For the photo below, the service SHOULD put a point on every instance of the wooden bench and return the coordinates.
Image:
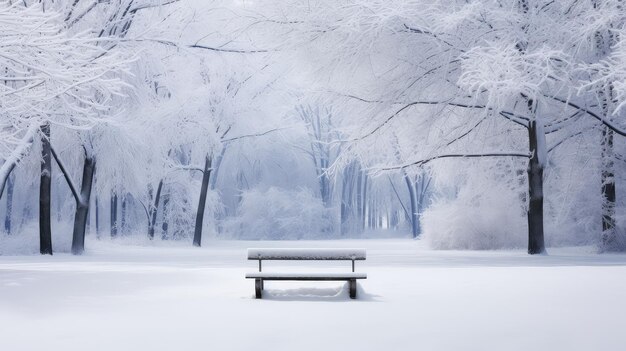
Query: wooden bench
(305, 255)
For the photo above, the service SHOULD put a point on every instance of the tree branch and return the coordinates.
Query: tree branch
(148, 6)
(188, 168)
(520, 120)
(196, 46)
(17, 155)
(253, 135)
(466, 133)
(68, 179)
(557, 125)
(565, 139)
(486, 154)
(406, 212)
(237, 51)
(607, 123)
(145, 209)
(429, 33)
(509, 115)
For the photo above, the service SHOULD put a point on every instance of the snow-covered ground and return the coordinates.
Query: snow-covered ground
(119, 297)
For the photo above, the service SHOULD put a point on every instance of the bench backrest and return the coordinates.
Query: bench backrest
(307, 254)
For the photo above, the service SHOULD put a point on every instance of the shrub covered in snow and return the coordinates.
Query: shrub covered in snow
(279, 214)
(487, 220)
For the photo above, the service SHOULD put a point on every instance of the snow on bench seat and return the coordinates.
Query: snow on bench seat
(306, 276)
(306, 254)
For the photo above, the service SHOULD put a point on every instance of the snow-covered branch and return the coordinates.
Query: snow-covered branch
(460, 155)
(245, 136)
(16, 155)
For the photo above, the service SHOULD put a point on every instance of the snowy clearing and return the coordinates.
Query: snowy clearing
(162, 298)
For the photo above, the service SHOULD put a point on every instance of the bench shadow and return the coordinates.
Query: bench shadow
(338, 294)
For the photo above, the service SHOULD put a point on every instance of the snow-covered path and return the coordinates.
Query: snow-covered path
(162, 298)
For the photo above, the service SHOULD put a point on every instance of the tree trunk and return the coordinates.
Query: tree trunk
(206, 177)
(421, 192)
(45, 187)
(9, 212)
(535, 189)
(26, 210)
(363, 209)
(165, 224)
(372, 213)
(154, 210)
(351, 199)
(604, 41)
(393, 220)
(346, 201)
(325, 189)
(113, 215)
(359, 201)
(419, 207)
(82, 206)
(123, 212)
(97, 208)
(414, 211)
(609, 234)
(216, 167)
(388, 220)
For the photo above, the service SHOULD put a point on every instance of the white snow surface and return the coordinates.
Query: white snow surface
(118, 297)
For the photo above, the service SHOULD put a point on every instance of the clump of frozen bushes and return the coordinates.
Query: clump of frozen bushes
(279, 214)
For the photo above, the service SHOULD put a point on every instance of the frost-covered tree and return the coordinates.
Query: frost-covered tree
(319, 124)
(51, 77)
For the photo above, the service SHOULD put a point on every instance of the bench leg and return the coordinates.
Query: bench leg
(258, 288)
(353, 288)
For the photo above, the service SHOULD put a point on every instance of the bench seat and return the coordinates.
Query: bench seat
(306, 254)
(306, 276)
